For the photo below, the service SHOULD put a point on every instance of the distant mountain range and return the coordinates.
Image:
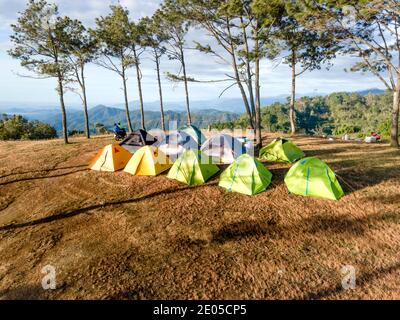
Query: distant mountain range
(370, 91)
(234, 105)
(108, 116)
(204, 112)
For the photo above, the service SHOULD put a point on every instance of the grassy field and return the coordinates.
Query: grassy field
(116, 236)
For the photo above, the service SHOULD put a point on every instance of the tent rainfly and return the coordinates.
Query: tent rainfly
(245, 175)
(312, 177)
(148, 161)
(192, 168)
(112, 157)
(281, 150)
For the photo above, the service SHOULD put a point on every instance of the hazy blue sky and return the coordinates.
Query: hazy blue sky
(104, 87)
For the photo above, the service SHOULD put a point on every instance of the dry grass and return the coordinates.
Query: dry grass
(112, 235)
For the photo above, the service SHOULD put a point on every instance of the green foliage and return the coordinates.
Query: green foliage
(74, 132)
(17, 128)
(79, 42)
(153, 34)
(336, 114)
(37, 40)
(175, 26)
(275, 117)
(307, 47)
(100, 128)
(113, 36)
(113, 31)
(367, 29)
(80, 47)
(308, 33)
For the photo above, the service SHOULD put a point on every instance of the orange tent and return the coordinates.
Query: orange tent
(112, 157)
(148, 161)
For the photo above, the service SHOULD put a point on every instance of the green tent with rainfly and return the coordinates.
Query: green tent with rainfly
(281, 150)
(193, 167)
(195, 133)
(245, 175)
(312, 177)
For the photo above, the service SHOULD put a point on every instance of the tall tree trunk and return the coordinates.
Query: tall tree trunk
(62, 105)
(238, 81)
(258, 98)
(85, 107)
(128, 117)
(293, 95)
(394, 133)
(189, 117)
(139, 82)
(160, 92)
(243, 93)
(258, 107)
(248, 67)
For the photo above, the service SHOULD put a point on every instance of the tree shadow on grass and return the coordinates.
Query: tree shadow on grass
(314, 142)
(75, 212)
(245, 229)
(329, 224)
(42, 170)
(318, 224)
(323, 152)
(335, 225)
(41, 177)
(23, 293)
(391, 199)
(7, 204)
(357, 179)
(138, 293)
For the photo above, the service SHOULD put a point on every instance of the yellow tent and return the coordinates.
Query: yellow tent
(148, 161)
(112, 157)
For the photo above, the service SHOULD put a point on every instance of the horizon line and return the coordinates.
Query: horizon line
(113, 104)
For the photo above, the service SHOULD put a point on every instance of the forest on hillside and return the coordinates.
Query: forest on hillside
(334, 114)
(17, 127)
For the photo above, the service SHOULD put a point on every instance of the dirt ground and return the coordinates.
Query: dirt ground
(116, 236)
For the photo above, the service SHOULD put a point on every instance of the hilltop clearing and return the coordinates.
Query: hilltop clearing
(116, 236)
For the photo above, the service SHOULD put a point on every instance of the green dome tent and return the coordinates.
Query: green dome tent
(245, 175)
(193, 167)
(195, 132)
(312, 177)
(281, 150)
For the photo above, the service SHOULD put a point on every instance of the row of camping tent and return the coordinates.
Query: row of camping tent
(247, 175)
(223, 147)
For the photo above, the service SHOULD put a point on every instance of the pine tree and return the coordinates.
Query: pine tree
(113, 35)
(38, 43)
